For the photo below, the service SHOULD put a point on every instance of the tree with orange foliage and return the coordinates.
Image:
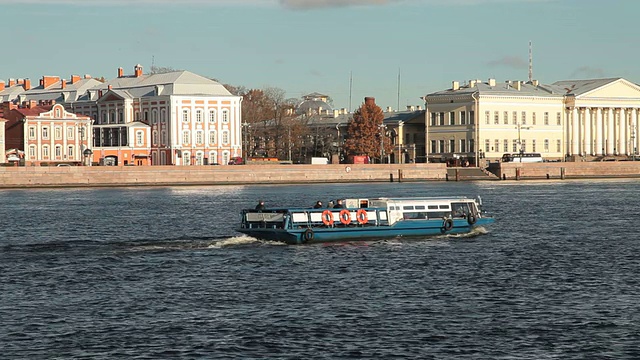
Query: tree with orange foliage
(365, 131)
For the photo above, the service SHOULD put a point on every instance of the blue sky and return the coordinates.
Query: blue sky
(304, 46)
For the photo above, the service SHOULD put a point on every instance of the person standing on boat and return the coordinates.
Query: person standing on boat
(260, 205)
(318, 205)
(339, 204)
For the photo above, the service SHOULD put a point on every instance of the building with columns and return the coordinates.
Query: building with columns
(567, 120)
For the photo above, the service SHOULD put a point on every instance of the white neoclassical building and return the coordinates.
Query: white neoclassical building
(566, 120)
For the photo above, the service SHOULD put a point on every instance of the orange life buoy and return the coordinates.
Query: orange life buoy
(345, 216)
(327, 217)
(362, 217)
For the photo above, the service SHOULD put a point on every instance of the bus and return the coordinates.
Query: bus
(522, 157)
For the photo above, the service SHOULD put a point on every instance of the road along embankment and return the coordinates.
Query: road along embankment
(567, 170)
(77, 176)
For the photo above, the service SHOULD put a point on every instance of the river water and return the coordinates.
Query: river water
(159, 273)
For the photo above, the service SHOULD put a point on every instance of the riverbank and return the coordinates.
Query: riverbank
(96, 176)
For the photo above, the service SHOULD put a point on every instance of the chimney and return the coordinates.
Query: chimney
(371, 101)
(1, 85)
(492, 82)
(75, 78)
(41, 82)
(419, 107)
(120, 72)
(138, 70)
(49, 80)
(12, 82)
(109, 87)
(535, 82)
(336, 112)
(472, 83)
(87, 76)
(517, 85)
(63, 84)
(32, 103)
(27, 84)
(389, 109)
(455, 85)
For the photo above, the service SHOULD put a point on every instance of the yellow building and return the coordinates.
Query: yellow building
(567, 120)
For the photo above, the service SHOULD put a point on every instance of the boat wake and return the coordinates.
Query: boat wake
(240, 241)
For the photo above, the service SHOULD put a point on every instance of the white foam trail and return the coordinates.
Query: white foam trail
(241, 240)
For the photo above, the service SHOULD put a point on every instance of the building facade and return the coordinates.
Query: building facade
(46, 133)
(568, 120)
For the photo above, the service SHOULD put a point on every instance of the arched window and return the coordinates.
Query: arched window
(186, 158)
(164, 137)
(225, 137)
(139, 138)
(199, 116)
(199, 158)
(163, 158)
(185, 115)
(163, 116)
(45, 152)
(32, 152)
(154, 117)
(70, 132)
(212, 116)
(225, 116)
(155, 137)
(212, 137)
(70, 152)
(213, 157)
(58, 152)
(199, 137)
(225, 157)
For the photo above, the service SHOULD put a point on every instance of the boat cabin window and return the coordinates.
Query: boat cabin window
(446, 207)
(419, 207)
(460, 209)
(407, 207)
(364, 204)
(433, 207)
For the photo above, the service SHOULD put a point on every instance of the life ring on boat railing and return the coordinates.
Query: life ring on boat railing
(471, 219)
(345, 216)
(327, 217)
(362, 216)
(307, 235)
(447, 224)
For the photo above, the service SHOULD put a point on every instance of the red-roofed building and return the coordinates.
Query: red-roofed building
(46, 132)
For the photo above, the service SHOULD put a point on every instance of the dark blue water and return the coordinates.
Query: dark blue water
(159, 273)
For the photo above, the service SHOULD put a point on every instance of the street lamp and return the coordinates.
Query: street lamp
(245, 146)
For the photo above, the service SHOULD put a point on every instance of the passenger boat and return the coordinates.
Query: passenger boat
(364, 219)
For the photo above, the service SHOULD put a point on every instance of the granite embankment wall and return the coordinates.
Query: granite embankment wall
(74, 176)
(568, 170)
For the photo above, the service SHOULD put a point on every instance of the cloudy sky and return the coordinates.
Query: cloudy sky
(393, 50)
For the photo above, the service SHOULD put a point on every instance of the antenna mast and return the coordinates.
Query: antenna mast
(350, 86)
(530, 63)
(398, 108)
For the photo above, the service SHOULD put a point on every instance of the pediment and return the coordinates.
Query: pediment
(619, 89)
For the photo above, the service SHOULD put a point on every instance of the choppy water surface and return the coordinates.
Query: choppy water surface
(159, 273)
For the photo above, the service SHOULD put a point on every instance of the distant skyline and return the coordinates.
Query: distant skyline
(305, 46)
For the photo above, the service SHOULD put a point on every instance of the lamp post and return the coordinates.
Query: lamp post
(633, 143)
(338, 141)
(520, 127)
(245, 146)
(382, 129)
(87, 156)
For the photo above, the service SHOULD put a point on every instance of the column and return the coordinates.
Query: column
(634, 128)
(587, 132)
(575, 146)
(610, 131)
(598, 142)
(622, 140)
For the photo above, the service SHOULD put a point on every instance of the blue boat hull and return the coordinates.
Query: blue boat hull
(330, 234)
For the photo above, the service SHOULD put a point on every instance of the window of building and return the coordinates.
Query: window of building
(505, 115)
(105, 119)
(58, 114)
(45, 152)
(58, 152)
(186, 157)
(452, 118)
(137, 116)
(505, 144)
(546, 118)
(155, 137)
(496, 145)
(558, 145)
(185, 115)
(487, 145)
(163, 116)
(32, 152)
(139, 138)
(463, 118)
(213, 157)
(186, 134)
(515, 145)
(496, 117)
(524, 118)
(486, 117)
(70, 151)
(199, 158)
(32, 132)
(212, 137)
(164, 138)
(154, 117)
(225, 157)
(45, 133)
(70, 132)
(434, 147)
(441, 118)
(58, 132)
(199, 137)
(523, 145)
(515, 118)
(441, 146)
(472, 115)
(533, 118)
(112, 117)
(198, 116)
(546, 145)
(558, 119)
(452, 145)
(225, 137)
(120, 117)
(472, 145)
(463, 145)
(533, 145)
(434, 119)
(212, 116)
(225, 116)
(146, 116)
